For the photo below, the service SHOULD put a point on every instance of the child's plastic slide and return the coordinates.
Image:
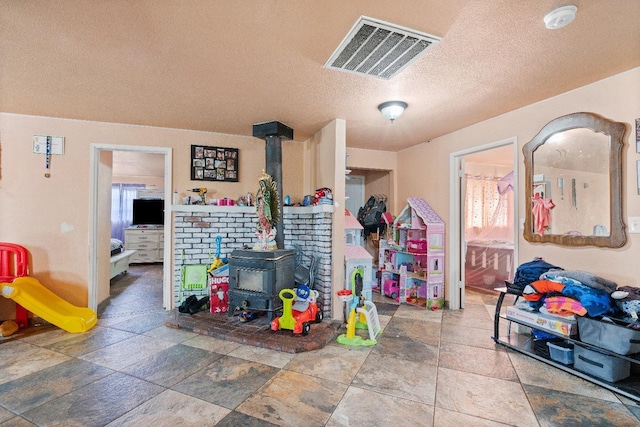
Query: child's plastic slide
(29, 293)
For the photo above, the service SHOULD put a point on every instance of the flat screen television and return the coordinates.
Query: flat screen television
(148, 212)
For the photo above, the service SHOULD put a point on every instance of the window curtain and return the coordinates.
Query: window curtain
(489, 208)
(488, 230)
(122, 196)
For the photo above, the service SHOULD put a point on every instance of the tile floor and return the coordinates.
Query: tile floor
(428, 369)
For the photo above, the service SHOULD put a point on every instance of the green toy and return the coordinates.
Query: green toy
(362, 314)
(298, 321)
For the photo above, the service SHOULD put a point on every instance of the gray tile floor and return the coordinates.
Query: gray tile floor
(429, 368)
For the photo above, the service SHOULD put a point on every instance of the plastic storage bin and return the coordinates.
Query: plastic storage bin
(600, 365)
(614, 335)
(561, 352)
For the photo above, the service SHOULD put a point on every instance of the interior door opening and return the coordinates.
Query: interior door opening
(362, 184)
(101, 169)
(484, 219)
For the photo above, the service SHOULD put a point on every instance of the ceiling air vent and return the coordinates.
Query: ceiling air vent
(379, 49)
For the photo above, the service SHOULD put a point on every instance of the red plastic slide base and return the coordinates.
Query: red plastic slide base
(22, 317)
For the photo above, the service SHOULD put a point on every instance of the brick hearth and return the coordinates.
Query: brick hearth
(256, 332)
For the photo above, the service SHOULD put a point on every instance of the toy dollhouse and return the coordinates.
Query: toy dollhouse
(355, 256)
(411, 262)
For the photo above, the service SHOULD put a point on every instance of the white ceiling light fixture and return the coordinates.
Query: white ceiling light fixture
(391, 110)
(560, 17)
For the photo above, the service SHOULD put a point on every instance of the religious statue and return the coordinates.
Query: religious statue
(268, 212)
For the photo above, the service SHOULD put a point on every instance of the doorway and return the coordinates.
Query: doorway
(99, 222)
(364, 183)
(354, 192)
(487, 259)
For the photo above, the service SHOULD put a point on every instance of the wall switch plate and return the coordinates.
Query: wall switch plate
(634, 224)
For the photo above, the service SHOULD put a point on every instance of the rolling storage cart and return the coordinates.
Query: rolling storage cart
(600, 362)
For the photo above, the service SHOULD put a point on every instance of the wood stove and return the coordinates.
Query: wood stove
(257, 277)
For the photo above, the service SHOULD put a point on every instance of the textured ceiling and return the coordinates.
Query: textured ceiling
(222, 66)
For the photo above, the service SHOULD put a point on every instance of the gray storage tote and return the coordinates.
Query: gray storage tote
(610, 336)
(600, 365)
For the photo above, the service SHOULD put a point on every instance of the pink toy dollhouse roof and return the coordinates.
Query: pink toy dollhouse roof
(356, 252)
(424, 211)
(387, 218)
(351, 221)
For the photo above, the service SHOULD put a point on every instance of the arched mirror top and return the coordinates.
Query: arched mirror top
(573, 182)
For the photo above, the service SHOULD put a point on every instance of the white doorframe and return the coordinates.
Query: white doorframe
(456, 285)
(94, 171)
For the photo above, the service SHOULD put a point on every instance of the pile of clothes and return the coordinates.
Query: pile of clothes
(550, 289)
(566, 293)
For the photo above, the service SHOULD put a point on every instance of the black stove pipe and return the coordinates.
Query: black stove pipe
(274, 133)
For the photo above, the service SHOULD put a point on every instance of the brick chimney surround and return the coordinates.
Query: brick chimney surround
(196, 227)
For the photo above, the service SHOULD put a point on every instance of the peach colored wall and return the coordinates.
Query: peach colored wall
(379, 161)
(486, 169)
(139, 168)
(149, 181)
(50, 216)
(615, 98)
(360, 158)
(376, 182)
(329, 157)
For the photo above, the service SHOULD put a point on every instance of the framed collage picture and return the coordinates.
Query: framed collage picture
(214, 163)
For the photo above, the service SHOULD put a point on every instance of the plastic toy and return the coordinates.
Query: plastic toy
(217, 261)
(33, 296)
(362, 314)
(298, 317)
(391, 288)
(357, 286)
(29, 293)
(302, 295)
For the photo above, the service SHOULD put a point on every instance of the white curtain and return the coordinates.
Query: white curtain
(122, 196)
(488, 230)
(489, 214)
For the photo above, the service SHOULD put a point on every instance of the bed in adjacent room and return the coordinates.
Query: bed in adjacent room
(488, 263)
(119, 258)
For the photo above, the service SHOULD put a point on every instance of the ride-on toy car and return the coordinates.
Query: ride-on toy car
(298, 321)
(391, 288)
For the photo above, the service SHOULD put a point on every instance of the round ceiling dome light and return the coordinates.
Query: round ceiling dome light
(391, 110)
(560, 17)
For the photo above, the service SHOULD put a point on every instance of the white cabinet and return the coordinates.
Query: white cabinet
(150, 193)
(147, 242)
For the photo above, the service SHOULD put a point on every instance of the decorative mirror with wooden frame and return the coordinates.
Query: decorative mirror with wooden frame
(573, 182)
